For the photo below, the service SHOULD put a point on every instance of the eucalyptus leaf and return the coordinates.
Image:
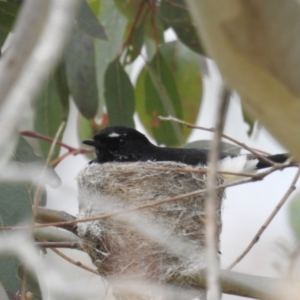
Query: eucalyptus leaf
(8, 13)
(115, 24)
(176, 15)
(81, 73)
(186, 70)
(48, 116)
(249, 120)
(88, 23)
(16, 207)
(9, 265)
(60, 78)
(157, 95)
(32, 282)
(119, 95)
(135, 43)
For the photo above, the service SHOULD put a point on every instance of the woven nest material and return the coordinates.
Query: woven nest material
(157, 243)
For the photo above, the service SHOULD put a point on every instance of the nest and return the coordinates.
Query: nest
(156, 243)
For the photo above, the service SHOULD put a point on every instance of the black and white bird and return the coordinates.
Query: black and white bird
(124, 144)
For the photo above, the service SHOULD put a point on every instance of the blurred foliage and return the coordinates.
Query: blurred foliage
(107, 37)
(16, 207)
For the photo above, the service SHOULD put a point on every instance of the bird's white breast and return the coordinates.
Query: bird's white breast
(238, 164)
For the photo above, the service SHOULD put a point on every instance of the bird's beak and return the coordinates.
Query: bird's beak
(89, 142)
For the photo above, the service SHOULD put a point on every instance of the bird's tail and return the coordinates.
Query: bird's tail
(277, 158)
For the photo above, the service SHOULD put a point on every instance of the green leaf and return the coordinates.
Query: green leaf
(175, 14)
(87, 22)
(157, 94)
(119, 95)
(8, 13)
(129, 8)
(81, 73)
(95, 6)
(185, 67)
(48, 116)
(32, 282)
(88, 128)
(15, 203)
(249, 120)
(294, 213)
(60, 78)
(8, 274)
(24, 154)
(115, 25)
(138, 12)
(16, 207)
(155, 28)
(135, 42)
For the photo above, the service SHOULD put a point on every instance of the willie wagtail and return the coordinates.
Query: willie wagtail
(124, 144)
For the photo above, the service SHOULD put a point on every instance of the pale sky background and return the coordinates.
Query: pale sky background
(245, 208)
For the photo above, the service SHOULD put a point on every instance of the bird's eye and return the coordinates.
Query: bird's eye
(122, 142)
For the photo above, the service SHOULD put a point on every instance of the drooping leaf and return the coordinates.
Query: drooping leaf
(60, 78)
(185, 67)
(8, 13)
(48, 116)
(249, 120)
(95, 6)
(88, 23)
(81, 73)
(157, 94)
(32, 282)
(138, 12)
(154, 28)
(115, 25)
(135, 42)
(8, 274)
(15, 203)
(16, 207)
(119, 95)
(176, 15)
(88, 128)
(130, 8)
(24, 154)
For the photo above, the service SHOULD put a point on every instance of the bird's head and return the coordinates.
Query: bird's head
(118, 143)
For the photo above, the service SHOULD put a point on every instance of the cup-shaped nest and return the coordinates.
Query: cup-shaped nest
(141, 236)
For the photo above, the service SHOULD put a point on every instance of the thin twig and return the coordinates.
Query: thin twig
(24, 283)
(50, 140)
(59, 159)
(132, 27)
(38, 191)
(76, 263)
(268, 221)
(256, 177)
(213, 268)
